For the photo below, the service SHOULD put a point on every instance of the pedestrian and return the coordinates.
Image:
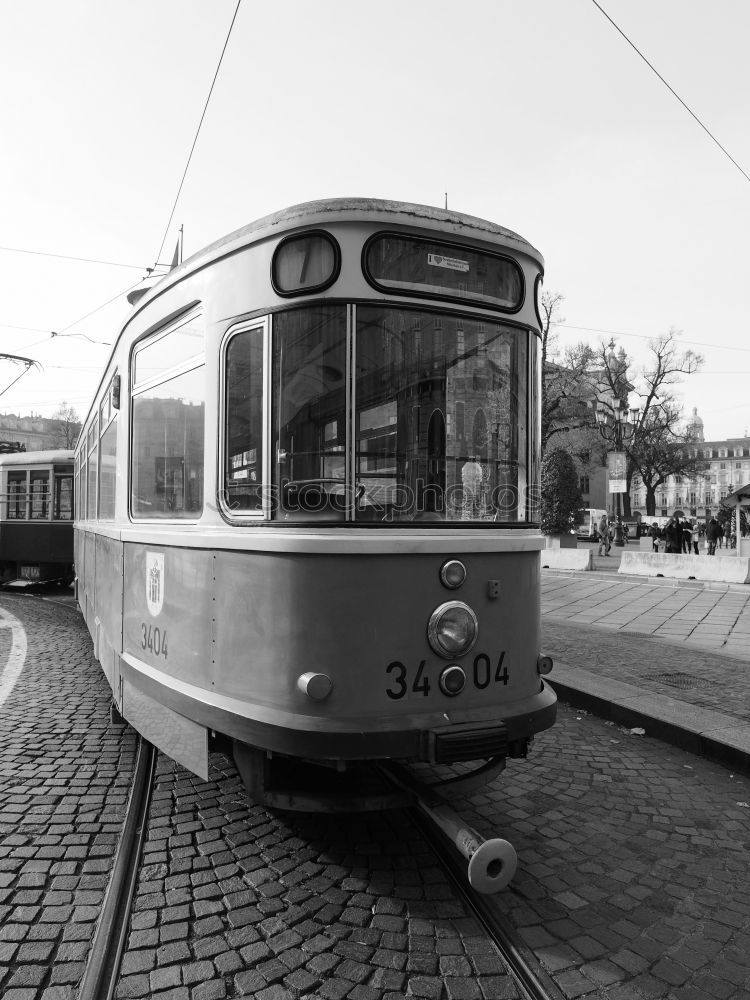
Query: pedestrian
(604, 539)
(673, 535)
(720, 534)
(687, 537)
(712, 533)
(654, 535)
(625, 532)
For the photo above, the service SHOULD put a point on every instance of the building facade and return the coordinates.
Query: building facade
(35, 433)
(725, 467)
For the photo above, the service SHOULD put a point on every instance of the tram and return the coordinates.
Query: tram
(307, 489)
(36, 518)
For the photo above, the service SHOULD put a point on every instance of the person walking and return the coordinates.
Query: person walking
(604, 539)
(712, 535)
(720, 534)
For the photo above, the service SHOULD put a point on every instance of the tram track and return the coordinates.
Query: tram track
(102, 970)
(533, 982)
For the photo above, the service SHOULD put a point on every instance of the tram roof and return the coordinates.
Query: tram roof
(52, 457)
(370, 209)
(312, 213)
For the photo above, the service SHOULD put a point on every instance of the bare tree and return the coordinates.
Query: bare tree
(652, 440)
(564, 406)
(69, 426)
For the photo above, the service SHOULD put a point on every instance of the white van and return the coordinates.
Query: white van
(586, 522)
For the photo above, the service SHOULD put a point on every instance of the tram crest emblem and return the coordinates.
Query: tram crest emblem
(155, 582)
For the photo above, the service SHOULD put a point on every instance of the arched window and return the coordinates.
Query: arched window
(479, 431)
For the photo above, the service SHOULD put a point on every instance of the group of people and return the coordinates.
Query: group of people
(681, 536)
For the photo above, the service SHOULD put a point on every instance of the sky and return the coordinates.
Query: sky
(538, 116)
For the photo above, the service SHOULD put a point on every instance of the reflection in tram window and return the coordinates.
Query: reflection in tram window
(309, 409)
(107, 455)
(93, 442)
(17, 496)
(107, 471)
(243, 474)
(39, 496)
(63, 508)
(167, 473)
(441, 417)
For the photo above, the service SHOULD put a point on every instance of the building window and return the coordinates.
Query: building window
(584, 485)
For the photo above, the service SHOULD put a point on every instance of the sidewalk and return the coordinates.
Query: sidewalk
(670, 657)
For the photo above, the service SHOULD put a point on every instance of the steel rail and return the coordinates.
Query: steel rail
(102, 970)
(531, 979)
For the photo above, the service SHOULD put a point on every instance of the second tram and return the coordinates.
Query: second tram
(307, 496)
(36, 517)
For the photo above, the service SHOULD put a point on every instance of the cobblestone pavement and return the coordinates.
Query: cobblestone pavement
(633, 880)
(64, 780)
(235, 901)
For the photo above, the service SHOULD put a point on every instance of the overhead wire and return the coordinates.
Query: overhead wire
(197, 132)
(65, 256)
(64, 331)
(672, 90)
(646, 336)
(106, 343)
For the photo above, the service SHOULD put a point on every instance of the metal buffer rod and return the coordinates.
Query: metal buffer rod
(492, 863)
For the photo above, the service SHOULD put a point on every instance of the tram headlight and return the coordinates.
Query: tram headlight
(452, 629)
(452, 574)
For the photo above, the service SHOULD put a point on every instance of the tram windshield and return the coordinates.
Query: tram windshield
(431, 424)
(440, 417)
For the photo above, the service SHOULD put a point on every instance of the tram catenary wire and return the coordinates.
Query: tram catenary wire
(102, 971)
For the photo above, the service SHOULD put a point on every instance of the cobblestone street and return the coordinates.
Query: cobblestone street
(633, 879)
(64, 780)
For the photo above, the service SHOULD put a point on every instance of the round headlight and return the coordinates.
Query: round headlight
(452, 574)
(452, 629)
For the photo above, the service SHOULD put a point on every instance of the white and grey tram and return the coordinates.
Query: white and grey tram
(307, 496)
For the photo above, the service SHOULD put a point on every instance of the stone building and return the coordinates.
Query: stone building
(35, 433)
(725, 467)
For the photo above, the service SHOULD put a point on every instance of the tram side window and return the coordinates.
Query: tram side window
(39, 496)
(16, 496)
(167, 460)
(82, 513)
(63, 503)
(107, 456)
(93, 445)
(243, 471)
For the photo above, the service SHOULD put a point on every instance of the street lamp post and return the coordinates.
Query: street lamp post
(619, 422)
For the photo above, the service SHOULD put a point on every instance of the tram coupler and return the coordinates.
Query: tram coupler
(492, 863)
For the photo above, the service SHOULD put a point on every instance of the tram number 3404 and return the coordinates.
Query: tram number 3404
(154, 640)
(484, 674)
